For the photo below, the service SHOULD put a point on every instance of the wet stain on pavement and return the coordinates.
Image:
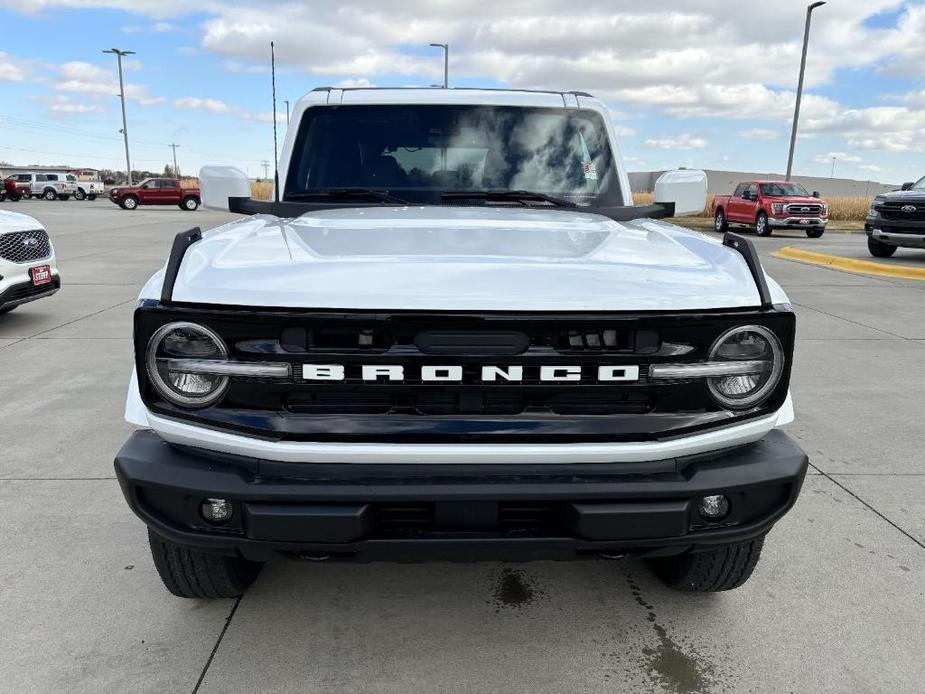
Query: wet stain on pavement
(514, 590)
(668, 665)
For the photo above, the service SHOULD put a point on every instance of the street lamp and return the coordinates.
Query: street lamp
(796, 109)
(128, 163)
(446, 62)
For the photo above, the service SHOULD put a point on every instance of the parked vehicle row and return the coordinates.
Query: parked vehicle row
(50, 186)
(769, 205)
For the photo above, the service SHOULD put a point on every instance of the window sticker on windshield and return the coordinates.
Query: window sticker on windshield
(590, 171)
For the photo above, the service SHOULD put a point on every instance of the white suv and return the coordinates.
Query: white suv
(28, 270)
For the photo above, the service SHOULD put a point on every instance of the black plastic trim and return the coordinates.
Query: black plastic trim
(747, 249)
(289, 209)
(181, 243)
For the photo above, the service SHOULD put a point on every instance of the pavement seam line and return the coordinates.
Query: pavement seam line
(854, 322)
(218, 642)
(869, 506)
(852, 265)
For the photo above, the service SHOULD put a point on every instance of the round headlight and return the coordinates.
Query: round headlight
(761, 349)
(177, 341)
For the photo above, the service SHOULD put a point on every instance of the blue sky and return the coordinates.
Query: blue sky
(693, 82)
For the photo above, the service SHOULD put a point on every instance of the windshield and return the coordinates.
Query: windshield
(784, 190)
(420, 152)
(919, 184)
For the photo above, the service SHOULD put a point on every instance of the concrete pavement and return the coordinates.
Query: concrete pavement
(836, 603)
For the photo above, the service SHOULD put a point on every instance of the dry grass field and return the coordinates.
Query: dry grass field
(261, 190)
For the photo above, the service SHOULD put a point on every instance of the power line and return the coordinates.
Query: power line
(266, 167)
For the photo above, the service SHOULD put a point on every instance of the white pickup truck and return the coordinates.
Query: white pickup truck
(86, 188)
(453, 336)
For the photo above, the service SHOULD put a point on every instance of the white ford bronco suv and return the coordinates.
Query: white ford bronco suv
(452, 336)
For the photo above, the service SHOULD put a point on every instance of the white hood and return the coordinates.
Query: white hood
(462, 259)
(16, 221)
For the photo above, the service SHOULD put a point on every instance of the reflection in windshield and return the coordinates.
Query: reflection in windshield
(422, 151)
(781, 190)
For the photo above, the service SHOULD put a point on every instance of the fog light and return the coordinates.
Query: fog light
(216, 510)
(714, 507)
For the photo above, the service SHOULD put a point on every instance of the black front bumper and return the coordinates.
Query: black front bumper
(24, 292)
(456, 512)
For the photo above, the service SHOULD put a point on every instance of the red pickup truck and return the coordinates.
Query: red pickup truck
(156, 191)
(769, 205)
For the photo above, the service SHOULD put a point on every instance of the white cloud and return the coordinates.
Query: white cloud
(211, 105)
(352, 82)
(837, 156)
(682, 142)
(870, 167)
(10, 71)
(91, 79)
(759, 134)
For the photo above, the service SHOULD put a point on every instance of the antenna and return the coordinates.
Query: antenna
(275, 156)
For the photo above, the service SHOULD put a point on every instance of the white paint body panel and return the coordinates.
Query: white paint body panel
(462, 259)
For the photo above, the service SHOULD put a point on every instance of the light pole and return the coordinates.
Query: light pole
(446, 62)
(796, 109)
(176, 171)
(834, 159)
(128, 162)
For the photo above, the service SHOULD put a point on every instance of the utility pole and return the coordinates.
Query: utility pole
(173, 146)
(796, 109)
(446, 62)
(834, 159)
(128, 162)
(266, 168)
(287, 111)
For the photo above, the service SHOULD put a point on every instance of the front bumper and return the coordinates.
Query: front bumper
(896, 233)
(797, 222)
(24, 292)
(458, 512)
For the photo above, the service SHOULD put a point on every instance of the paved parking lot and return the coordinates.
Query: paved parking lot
(835, 606)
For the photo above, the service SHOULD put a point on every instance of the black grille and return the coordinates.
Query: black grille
(510, 517)
(799, 209)
(894, 212)
(25, 246)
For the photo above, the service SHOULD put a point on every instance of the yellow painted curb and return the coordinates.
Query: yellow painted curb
(859, 267)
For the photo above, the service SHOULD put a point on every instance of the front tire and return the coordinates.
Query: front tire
(719, 222)
(129, 202)
(815, 233)
(80, 195)
(189, 573)
(189, 204)
(762, 227)
(723, 568)
(6, 309)
(879, 249)
(50, 195)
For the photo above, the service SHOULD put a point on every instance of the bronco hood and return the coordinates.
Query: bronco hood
(461, 259)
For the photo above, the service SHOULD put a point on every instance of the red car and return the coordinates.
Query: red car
(156, 191)
(769, 205)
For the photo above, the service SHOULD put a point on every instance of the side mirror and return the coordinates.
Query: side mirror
(908, 185)
(816, 194)
(218, 183)
(686, 189)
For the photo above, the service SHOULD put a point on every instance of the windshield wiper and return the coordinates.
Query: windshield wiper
(517, 195)
(368, 193)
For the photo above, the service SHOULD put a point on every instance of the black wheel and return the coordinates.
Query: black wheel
(50, 195)
(815, 233)
(723, 568)
(80, 194)
(189, 204)
(879, 249)
(762, 228)
(6, 309)
(189, 573)
(719, 222)
(91, 196)
(15, 198)
(129, 202)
